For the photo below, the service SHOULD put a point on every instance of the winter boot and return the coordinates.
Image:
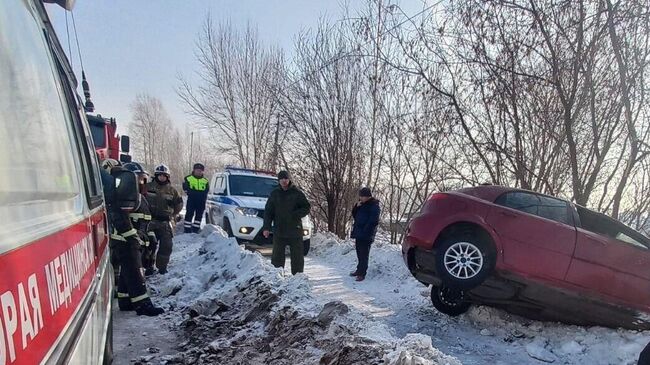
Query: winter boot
(149, 271)
(146, 308)
(354, 273)
(360, 278)
(125, 304)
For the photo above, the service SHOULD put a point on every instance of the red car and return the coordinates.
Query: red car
(531, 254)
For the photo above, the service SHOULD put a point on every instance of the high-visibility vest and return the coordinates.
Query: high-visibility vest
(196, 183)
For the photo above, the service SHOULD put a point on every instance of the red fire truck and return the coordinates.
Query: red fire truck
(55, 291)
(108, 143)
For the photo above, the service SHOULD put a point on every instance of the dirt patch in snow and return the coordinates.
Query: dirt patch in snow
(248, 327)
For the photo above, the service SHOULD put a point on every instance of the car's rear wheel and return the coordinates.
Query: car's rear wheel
(464, 260)
(450, 301)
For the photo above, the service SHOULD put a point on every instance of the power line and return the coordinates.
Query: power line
(76, 37)
(350, 54)
(67, 31)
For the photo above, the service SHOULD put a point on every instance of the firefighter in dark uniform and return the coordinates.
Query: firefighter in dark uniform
(196, 187)
(132, 291)
(108, 183)
(165, 203)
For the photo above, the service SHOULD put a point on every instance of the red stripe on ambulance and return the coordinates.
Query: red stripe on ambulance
(42, 285)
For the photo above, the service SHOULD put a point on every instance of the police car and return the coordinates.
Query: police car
(236, 203)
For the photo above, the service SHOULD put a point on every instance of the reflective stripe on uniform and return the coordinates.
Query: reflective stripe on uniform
(122, 295)
(129, 233)
(137, 216)
(117, 237)
(140, 297)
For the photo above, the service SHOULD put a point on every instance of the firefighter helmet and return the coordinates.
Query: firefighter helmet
(161, 170)
(109, 163)
(135, 168)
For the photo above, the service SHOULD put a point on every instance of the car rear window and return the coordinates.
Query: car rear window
(610, 227)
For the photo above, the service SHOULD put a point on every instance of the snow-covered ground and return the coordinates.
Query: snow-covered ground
(228, 305)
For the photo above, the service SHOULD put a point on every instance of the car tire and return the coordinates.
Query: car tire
(449, 301)
(306, 246)
(464, 260)
(227, 227)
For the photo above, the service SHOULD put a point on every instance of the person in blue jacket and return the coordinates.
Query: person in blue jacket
(366, 219)
(196, 187)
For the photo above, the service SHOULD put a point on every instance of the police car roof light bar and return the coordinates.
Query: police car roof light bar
(235, 168)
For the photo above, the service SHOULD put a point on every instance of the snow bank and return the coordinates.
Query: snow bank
(227, 298)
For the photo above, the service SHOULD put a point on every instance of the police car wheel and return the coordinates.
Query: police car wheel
(208, 218)
(227, 227)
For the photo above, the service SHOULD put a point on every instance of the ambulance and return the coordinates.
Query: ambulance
(56, 281)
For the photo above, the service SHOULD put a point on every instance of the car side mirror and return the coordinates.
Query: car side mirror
(125, 144)
(125, 158)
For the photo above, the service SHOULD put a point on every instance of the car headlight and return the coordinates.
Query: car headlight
(305, 232)
(248, 212)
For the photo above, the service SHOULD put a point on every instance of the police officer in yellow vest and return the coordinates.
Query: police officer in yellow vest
(196, 188)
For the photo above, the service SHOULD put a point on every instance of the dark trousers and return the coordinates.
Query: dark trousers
(644, 358)
(164, 236)
(278, 256)
(193, 215)
(130, 285)
(363, 253)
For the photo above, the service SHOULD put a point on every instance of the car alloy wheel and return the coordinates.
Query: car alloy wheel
(463, 260)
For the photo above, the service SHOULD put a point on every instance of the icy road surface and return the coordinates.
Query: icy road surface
(390, 317)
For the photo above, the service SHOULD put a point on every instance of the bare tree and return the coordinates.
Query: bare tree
(237, 75)
(149, 128)
(321, 106)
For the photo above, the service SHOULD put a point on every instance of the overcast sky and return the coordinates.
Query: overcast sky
(133, 46)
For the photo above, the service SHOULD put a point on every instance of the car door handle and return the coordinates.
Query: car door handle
(597, 240)
(508, 214)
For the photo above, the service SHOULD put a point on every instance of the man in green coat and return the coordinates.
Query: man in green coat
(284, 211)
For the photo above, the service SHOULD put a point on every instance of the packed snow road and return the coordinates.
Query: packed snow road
(229, 306)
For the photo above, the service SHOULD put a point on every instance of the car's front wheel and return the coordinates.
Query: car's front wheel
(449, 301)
(464, 260)
(227, 227)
